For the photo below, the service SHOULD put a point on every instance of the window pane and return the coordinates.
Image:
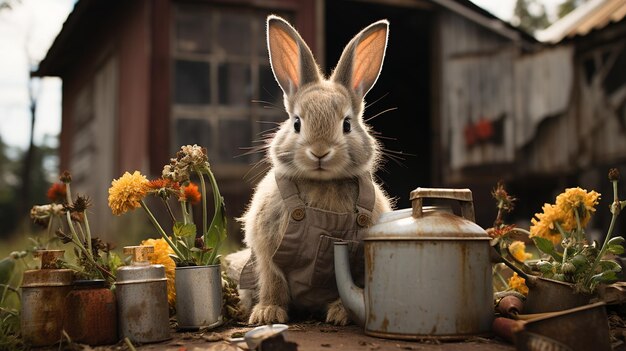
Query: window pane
(269, 90)
(192, 82)
(193, 30)
(235, 84)
(191, 131)
(234, 33)
(234, 136)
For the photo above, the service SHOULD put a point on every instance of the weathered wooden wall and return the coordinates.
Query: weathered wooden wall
(477, 86)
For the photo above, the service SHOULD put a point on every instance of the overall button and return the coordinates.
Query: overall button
(363, 220)
(298, 214)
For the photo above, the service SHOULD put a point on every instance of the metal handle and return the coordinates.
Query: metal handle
(464, 196)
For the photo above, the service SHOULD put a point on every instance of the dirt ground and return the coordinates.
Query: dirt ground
(316, 336)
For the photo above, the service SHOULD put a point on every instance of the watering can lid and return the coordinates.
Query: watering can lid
(436, 223)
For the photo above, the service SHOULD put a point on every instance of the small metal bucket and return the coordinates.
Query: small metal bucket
(198, 297)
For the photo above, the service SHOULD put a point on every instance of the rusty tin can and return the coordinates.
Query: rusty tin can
(91, 315)
(141, 289)
(427, 273)
(43, 300)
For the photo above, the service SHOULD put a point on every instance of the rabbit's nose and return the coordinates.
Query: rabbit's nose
(318, 155)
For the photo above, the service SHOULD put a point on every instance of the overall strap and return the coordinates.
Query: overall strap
(291, 197)
(366, 200)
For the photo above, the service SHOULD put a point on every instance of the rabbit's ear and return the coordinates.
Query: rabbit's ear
(362, 59)
(291, 59)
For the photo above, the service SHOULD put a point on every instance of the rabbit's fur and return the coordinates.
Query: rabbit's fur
(321, 158)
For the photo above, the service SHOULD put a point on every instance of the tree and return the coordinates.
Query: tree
(530, 15)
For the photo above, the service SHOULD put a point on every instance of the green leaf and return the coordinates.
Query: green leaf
(183, 230)
(608, 265)
(615, 249)
(544, 266)
(176, 259)
(7, 265)
(579, 261)
(604, 277)
(618, 240)
(546, 246)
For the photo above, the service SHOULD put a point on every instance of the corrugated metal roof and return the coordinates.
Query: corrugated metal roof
(592, 15)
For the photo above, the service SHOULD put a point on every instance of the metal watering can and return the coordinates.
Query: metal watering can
(427, 272)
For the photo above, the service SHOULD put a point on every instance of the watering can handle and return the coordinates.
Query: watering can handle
(464, 196)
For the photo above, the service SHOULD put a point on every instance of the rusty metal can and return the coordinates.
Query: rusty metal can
(141, 290)
(91, 315)
(43, 300)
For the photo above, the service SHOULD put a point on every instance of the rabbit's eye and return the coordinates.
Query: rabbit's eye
(296, 124)
(347, 127)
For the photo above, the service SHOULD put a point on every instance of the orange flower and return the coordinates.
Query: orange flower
(162, 183)
(190, 194)
(57, 193)
(518, 284)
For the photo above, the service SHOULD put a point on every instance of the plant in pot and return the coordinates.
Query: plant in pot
(198, 280)
(90, 315)
(571, 267)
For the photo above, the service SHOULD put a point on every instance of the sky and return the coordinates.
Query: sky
(27, 30)
(32, 25)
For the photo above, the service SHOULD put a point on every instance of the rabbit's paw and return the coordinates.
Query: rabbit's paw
(267, 314)
(337, 314)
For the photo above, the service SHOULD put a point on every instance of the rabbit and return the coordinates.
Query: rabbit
(320, 182)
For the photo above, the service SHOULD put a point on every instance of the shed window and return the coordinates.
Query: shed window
(222, 83)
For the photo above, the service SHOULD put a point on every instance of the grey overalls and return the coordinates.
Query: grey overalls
(305, 254)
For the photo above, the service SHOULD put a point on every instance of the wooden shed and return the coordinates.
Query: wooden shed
(141, 78)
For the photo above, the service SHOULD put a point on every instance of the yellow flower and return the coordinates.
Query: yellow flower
(518, 250)
(518, 283)
(161, 256)
(126, 192)
(576, 199)
(543, 225)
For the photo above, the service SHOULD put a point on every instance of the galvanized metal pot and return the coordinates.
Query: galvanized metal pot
(91, 315)
(43, 300)
(198, 296)
(141, 290)
(427, 273)
(547, 295)
(581, 328)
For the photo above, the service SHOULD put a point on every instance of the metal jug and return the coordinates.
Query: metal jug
(141, 290)
(427, 273)
(43, 300)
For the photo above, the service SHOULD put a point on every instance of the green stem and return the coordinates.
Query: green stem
(82, 234)
(169, 211)
(499, 276)
(183, 208)
(75, 238)
(129, 344)
(7, 287)
(158, 227)
(88, 231)
(204, 219)
(609, 234)
(579, 228)
(558, 227)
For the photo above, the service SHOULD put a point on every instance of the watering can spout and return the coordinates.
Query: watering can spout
(351, 295)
